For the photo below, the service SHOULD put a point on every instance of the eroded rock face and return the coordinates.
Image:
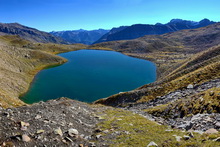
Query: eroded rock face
(49, 123)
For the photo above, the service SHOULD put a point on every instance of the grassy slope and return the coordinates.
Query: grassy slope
(168, 51)
(181, 69)
(20, 61)
(183, 57)
(135, 130)
(203, 102)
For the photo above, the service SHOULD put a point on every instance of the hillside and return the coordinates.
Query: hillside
(187, 89)
(28, 33)
(20, 61)
(140, 30)
(174, 48)
(80, 36)
(180, 109)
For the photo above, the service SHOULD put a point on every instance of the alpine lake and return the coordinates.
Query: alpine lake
(90, 75)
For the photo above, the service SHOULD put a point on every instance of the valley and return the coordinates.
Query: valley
(181, 108)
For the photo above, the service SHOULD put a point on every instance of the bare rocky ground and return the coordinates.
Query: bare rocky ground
(61, 122)
(198, 122)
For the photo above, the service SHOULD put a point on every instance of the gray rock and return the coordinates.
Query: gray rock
(190, 86)
(152, 144)
(92, 144)
(98, 136)
(217, 124)
(25, 138)
(185, 137)
(72, 132)
(37, 117)
(58, 131)
(178, 138)
(211, 131)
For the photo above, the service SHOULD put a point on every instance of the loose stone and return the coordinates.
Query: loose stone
(190, 86)
(152, 144)
(72, 132)
(25, 138)
(37, 117)
(211, 131)
(186, 137)
(40, 131)
(58, 131)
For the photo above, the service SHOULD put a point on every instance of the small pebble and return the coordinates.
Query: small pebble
(58, 131)
(25, 138)
(152, 144)
(72, 132)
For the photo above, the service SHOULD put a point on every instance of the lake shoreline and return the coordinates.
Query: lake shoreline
(37, 71)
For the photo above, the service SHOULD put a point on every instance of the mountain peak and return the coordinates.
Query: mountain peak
(139, 30)
(175, 20)
(205, 20)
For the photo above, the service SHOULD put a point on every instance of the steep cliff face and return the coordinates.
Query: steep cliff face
(28, 33)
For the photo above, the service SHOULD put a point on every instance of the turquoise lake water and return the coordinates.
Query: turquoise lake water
(90, 75)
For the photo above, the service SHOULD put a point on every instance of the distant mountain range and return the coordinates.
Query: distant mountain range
(80, 36)
(100, 35)
(28, 33)
(140, 30)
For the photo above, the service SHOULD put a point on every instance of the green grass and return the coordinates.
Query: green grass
(135, 130)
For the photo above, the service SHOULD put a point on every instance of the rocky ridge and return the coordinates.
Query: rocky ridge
(28, 33)
(140, 30)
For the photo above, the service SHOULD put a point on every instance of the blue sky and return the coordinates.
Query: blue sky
(49, 15)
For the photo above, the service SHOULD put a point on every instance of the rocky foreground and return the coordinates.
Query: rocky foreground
(65, 122)
(61, 122)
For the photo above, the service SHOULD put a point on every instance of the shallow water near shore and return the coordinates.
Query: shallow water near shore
(90, 75)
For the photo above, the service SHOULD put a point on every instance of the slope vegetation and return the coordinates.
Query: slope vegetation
(183, 58)
(20, 60)
(180, 109)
